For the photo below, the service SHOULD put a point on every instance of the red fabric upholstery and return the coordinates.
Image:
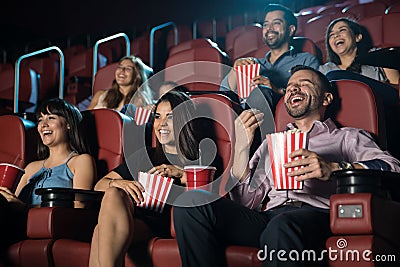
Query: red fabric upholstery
(222, 112)
(69, 252)
(165, 252)
(390, 35)
(104, 77)
(79, 72)
(140, 47)
(200, 42)
(302, 19)
(28, 85)
(394, 8)
(371, 9)
(184, 34)
(107, 146)
(6, 66)
(49, 70)
(374, 26)
(371, 232)
(200, 68)
(18, 141)
(60, 222)
(247, 42)
(31, 253)
(252, 32)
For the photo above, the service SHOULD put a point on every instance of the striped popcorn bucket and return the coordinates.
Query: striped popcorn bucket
(156, 192)
(142, 115)
(280, 145)
(244, 77)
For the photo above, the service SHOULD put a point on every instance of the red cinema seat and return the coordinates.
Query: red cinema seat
(28, 88)
(191, 44)
(205, 29)
(219, 127)
(390, 35)
(302, 19)
(79, 72)
(49, 70)
(374, 26)
(198, 69)
(231, 36)
(6, 66)
(18, 141)
(366, 10)
(104, 77)
(247, 42)
(140, 47)
(393, 8)
(184, 34)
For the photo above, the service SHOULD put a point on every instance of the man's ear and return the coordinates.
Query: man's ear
(328, 98)
(292, 29)
(359, 37)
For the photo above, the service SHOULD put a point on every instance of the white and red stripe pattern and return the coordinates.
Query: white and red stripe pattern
(156, 188)
(280, 145)
(142, 115)
(244, 77)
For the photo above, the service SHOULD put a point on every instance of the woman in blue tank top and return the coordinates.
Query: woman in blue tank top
(63, 162)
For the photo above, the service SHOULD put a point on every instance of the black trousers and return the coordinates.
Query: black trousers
(203, 232)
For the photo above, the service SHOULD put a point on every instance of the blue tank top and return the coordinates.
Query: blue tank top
(58, 176)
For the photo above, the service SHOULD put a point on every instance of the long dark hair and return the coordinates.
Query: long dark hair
(363, 46)
(144, 94)
(72, 116)
(187, 143)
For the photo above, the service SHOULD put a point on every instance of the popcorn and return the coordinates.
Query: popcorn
(142, 115)
(280, 145)
(156, 192)
(244, 77)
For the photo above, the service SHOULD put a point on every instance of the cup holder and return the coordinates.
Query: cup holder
(66, 197)
(381, 183)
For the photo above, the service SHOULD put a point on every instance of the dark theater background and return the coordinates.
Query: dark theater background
(31, 25)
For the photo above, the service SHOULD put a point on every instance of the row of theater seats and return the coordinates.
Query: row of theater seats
(240, 41)
(60, 236)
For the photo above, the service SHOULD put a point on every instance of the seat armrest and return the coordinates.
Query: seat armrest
(57, 218)
(365, 214)
(61, 222)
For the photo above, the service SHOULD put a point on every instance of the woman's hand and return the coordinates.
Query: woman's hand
(10, 196)
(171, 171)
(133, 188)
